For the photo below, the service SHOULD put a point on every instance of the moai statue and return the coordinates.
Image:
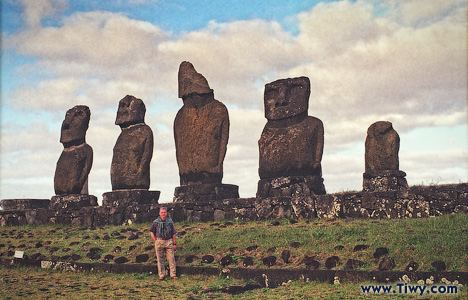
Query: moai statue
(130, 168)
(201, 133)
(133, 150)
(291, 144)
(74, 164)
(381, 159)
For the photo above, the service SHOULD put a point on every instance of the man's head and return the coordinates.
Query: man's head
(163, 213)
(75, 124)
(286, 98)
(131, 111)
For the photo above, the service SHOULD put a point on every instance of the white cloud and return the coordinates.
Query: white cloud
(35, 11)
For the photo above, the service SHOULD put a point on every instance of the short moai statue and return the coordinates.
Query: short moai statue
(291, 144)
(74, 164)
(133, 151)
(381, 159)
(201, 133)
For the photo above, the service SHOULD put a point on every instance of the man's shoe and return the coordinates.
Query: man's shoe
(161, 278)
(174, 277)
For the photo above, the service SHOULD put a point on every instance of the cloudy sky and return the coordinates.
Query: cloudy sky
(398, 61)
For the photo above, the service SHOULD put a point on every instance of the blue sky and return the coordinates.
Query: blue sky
(400, 61)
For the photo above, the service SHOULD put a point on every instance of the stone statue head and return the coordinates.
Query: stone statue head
(75, 124)
(286, 98)
(131, 111)
(191, 82)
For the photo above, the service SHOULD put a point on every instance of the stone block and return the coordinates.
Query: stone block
(290, 186)
(328, 206)
(23, 204)
(386, 180)
(205, 192)
(72, 201)
(124, 198)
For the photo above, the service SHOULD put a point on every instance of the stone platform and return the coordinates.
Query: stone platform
(384, 181)
(205, 192)
(72, 201)
(123, 198)
(290, 186)
(22, 204)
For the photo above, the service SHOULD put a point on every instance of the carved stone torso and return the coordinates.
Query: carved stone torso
(133, 151)
(382, 146)
(292, 150)
(201, 136)
(72, 169)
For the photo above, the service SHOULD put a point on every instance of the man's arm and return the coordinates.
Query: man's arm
(174, 241)
(153, 237)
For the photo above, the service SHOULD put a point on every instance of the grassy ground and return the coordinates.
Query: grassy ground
(422, 240)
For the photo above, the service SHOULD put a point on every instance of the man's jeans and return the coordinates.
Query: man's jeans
(160, 246)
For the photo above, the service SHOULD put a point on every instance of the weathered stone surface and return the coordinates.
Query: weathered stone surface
(201, 130)
(133, 150)
(387, 263)
(124, 198)
(197, 193)
(23, 204)
(72, 201)
(381, 159)
(74, 164)
(291, 143)
(290, 186)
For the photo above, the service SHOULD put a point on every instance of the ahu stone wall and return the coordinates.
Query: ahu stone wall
(415, 202)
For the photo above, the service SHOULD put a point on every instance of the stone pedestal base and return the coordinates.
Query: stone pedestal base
(290, 186)
(72, 201)
(124, 198)
(383, 181)
(205, 192)
(23, 204)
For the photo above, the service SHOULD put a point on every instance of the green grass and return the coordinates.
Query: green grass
(422, 240)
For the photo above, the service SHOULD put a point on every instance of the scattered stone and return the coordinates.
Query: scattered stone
(248, 261)
(95, 249)
(387, 264)
(120, 237)
(439, 265)
(310, 262)
(360, 247)
(133, 237)
(228, 224)
(190, 259)
(412, 266)
(65, 257)
(331, 262)
(74, 243)
(291, 221)
(121, 260)
(141, 258)
(285, 256)
(108, 257)
(115, 233)
(66, 249)
(271, 249)
(237, 289)
(131, 248)
(352, 264)
(196, 248)
(269, 260)
(295, 244)
(379, 252)
(227, 260)
(93, 255)
(232, 249)
(35, 255)
(207, 259)
(38, 245)
(339, 247)
(252, 248)
(75, 257)
(54, 257)
(117, 249)
(106, 237)
(148, 248)
(275, 223)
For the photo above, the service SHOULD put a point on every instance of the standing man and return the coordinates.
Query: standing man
(163, 234)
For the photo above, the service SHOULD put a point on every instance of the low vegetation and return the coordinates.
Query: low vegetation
(421, 240)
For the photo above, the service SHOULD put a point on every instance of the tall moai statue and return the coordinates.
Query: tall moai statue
(291, 144)
(133, 151)
(74, 164)
(381, 159)
(201, 133)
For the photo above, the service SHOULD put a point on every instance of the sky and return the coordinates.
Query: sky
(368, 61)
